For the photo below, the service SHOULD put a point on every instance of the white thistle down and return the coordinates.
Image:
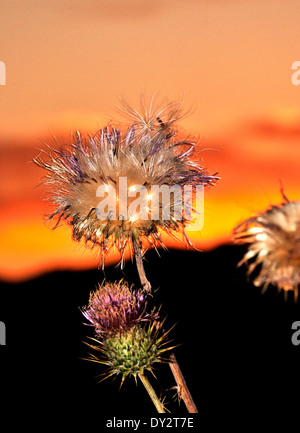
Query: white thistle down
(148, 152)
(274, 241)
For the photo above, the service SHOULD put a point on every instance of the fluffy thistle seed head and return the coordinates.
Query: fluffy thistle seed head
(149, 152)
(115, 309)
(274, 241)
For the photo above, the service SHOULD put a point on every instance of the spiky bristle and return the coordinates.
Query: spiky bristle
(274, 243)
(149, 152)
(132, 352)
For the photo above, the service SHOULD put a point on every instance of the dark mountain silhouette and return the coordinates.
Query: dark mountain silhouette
(235, 343)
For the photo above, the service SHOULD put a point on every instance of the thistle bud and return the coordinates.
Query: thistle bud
(129, 339)
(132, 352)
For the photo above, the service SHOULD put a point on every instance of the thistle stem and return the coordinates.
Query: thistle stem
(157, 403)
(174, 366)
(183, 390)
(139, 264)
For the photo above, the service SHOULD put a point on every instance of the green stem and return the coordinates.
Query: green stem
(182, 387)
(157, 403)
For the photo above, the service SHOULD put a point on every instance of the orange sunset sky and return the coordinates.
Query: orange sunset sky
(68, 62)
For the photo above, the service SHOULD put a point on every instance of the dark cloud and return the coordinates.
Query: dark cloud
(117, 10)
(112, 10)
(272, 128)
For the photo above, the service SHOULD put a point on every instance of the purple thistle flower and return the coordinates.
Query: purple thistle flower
(114, 309)
(129, 340)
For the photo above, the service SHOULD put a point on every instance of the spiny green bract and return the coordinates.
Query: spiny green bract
(132, 352)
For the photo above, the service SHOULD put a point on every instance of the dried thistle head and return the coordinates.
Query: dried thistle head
(114, 308)
(121, 167)
(274, 241)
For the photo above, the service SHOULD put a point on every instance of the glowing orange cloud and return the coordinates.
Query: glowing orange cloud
(232, 61)
(250, 182)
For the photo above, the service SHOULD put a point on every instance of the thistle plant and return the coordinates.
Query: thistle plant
(148, 153)
(129, 340)
(273, 239)
(109, 188)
